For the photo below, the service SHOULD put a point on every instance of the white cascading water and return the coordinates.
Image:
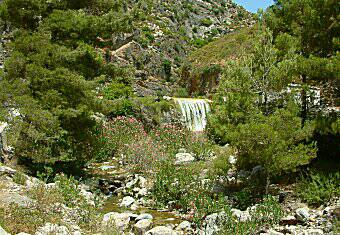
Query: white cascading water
(194, 112)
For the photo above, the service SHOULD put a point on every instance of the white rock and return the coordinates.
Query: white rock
(214, 223)
(127, 201)
(161, 230)
(232, 160)
(144, 216)
(142, 181)
(134, 206)
(4, 170)
(3, 232)
(182, 150)
(142, 226)
(185, 225)
(119, 220)
(106, 168)
(302, 214)
(183, 158)
(142, 192)
(49, 228)
(313, 232)
(22, 233)
(242, 216)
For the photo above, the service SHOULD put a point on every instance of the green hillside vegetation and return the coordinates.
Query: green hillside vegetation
(223, 49)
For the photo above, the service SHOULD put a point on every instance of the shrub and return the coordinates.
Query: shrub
(121, 107)
(264, 215)
(117, 90)
(19, 178)
(317, 188)
(181, 93)
(200, 146)
(118, 133)
(206, 22)
(199, 42)
(186, 191)
(171, 137)
(220, 164)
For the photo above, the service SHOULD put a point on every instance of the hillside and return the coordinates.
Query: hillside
(169, 32)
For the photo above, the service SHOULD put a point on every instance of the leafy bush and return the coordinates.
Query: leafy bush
(220, 164)
(199, 42)
(317, 188)
(206, 22)
(121, 107)
(181, 93)
(19, 178)
(118, 90)
(183, 189)
(264, 215)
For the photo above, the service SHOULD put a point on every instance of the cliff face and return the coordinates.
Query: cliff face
(158, 45)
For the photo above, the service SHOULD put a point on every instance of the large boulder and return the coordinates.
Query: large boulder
(313, 232)
(302, 214)
(3, 232)
(242, 216)
(142, 226)
(161, 230)
(183, 158)
(184, 226)
(119, 221)
(144, 216)
(4, 170)
(214, 223)
(127, 201)
(49, 229)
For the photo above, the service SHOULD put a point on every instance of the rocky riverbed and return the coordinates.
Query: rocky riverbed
(127, 208)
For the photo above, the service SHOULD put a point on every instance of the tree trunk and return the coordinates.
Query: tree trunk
(266, 104)
(267, 184)
(304, 101)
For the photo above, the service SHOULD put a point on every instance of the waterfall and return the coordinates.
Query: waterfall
(194, 112)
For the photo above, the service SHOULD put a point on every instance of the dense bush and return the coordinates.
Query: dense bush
(183, 189)
(317, 188)
(263, 215)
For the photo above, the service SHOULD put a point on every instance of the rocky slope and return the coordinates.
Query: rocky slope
(171, 30)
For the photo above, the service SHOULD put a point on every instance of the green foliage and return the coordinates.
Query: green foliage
(121, 107)
(167, 65)
(52, 74)
(266, 214)
(275, 142)
(117, 90)
(199, 42)
(206, 22)
(186, 191)
(317, 188)
(269, 134)
(181, 93)
(220, 164)
(312, 23)
(19, 178)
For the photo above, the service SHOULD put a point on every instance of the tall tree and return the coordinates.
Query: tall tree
(315, 26)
